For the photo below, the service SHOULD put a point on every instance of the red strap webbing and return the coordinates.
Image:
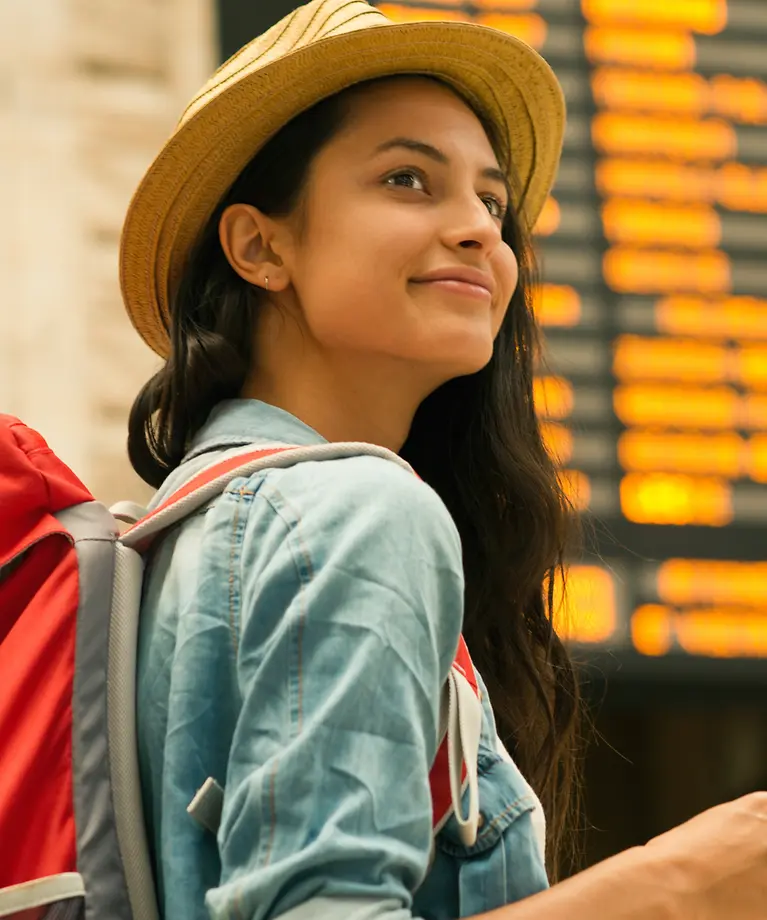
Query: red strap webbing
(208, 475)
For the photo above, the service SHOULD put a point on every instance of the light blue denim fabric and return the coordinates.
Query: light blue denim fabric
(294, 638)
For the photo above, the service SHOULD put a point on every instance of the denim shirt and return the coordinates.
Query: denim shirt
(294, 637)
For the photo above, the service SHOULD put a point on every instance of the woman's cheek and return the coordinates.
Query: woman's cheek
(509, 274)
(348, 312)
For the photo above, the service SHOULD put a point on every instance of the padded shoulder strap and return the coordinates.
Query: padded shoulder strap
(212, 481)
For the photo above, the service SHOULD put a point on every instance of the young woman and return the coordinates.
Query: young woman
(333, 248)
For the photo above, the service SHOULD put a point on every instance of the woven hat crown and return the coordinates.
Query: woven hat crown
(304, 26)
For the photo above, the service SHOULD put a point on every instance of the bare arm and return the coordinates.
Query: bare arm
(635, 885)
(713, 867)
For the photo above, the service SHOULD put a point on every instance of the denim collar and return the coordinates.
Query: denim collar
(239, 422)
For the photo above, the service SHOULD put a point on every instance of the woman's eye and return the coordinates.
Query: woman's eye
(495, 207)
(411, 178)
(404, 178)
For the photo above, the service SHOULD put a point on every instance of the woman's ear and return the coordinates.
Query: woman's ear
(246, 234)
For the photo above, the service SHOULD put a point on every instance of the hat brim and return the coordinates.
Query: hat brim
(502, 77)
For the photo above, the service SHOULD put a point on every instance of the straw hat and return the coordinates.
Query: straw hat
(314, 52)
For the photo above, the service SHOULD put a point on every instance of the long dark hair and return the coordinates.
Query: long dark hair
(476, 440)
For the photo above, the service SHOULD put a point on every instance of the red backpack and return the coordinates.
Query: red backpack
(73, 840)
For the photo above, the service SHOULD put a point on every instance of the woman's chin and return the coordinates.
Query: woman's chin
(468, 358)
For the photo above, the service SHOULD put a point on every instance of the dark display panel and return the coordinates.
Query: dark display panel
(654, 304)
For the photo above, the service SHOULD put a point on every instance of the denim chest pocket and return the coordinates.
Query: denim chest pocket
(506, 863)
(503, 797)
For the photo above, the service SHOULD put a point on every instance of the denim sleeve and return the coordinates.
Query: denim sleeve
(345, 608)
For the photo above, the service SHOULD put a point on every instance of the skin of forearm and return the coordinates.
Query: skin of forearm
(635, 885)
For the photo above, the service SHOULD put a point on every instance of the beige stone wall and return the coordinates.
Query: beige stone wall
(89, 90)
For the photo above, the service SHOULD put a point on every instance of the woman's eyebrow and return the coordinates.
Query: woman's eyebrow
(434, 153)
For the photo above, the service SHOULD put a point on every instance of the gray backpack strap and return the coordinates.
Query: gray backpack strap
(113, 856)
(52, 897)
(214, 479)
(123, 738)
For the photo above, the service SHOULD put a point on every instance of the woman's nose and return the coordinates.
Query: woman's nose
(472, 226)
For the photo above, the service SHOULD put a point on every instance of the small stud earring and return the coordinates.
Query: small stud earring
(266, 282)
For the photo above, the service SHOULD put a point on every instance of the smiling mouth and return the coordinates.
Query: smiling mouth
(459, 288)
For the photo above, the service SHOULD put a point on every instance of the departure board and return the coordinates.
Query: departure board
(654, 306)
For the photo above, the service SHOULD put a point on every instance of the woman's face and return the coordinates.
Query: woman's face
(400, 255)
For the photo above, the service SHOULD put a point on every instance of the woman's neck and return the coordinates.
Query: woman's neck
(342, 400)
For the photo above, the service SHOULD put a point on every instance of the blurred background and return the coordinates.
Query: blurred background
(654, 305)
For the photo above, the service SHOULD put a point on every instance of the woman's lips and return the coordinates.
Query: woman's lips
(459, 288)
